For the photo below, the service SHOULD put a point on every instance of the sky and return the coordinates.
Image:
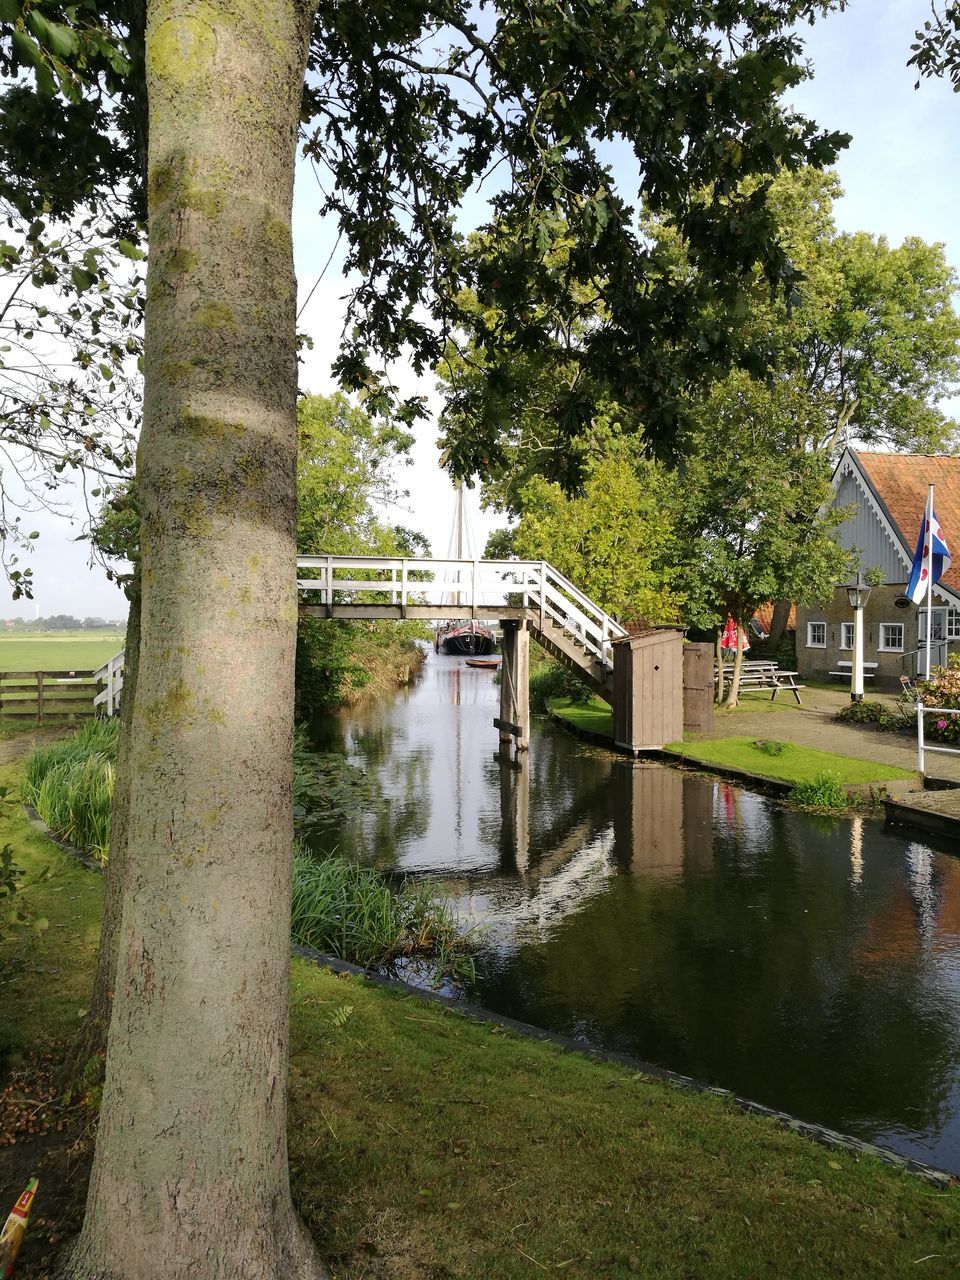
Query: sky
(901, 176)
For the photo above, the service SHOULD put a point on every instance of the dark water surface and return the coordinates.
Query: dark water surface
(810, 964)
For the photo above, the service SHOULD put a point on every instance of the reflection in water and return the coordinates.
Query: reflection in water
(813, 964)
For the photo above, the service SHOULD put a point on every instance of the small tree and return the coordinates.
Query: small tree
(756, 522)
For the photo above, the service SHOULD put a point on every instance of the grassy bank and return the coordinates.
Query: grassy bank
(786, 761)
(595, 716)
(423, 1145)
(780, 761)
(58, 650)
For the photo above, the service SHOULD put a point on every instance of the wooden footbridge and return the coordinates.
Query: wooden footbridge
(526, 597)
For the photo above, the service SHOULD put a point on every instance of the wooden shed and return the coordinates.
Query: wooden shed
(648, 689)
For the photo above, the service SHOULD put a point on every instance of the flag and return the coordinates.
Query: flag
(930, 558)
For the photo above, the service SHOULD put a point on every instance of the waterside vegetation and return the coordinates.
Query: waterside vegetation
(338, 907)
(517, 1158)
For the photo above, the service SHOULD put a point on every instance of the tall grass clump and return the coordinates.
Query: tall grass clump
(70, 784)
(94, 737)
(824, 791)
(349, 911)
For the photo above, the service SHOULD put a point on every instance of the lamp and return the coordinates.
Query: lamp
(858, 593)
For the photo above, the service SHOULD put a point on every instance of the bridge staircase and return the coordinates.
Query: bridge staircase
(570, 651)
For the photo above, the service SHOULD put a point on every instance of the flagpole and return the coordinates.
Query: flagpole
(928, 542)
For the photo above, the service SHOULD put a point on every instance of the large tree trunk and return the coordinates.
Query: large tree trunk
(87, 1064)
(190, 1174)
(778, 624)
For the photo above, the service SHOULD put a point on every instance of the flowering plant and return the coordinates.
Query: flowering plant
(943, 690)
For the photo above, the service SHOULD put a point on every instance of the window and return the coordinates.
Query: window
(953, 624)
(891, 637)
(816, 635)
(846, 635)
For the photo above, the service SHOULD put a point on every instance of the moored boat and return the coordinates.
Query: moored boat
(484, 664)
(469, 638)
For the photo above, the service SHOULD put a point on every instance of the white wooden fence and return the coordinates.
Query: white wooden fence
(110, 676)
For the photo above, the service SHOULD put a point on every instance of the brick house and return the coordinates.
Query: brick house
(890, 493)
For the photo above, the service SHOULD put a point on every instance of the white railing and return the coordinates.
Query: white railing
(345, 581)
(923, 747)
(110, 676)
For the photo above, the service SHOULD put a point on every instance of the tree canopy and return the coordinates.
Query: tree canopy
(407, 112)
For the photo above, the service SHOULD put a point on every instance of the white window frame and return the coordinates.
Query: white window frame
(816, 644)
(953, 624)
(846, 630)
(883, 647)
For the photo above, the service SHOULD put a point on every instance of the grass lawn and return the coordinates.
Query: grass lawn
(793, 764)
(58, 650)
(423, 1145)
(595, 715)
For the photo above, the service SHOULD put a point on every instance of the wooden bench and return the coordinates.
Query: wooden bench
(845, 668)
(767, 675)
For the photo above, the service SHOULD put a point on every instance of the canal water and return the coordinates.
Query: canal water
(811, 964)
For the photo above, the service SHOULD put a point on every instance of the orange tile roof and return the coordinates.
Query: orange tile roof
(900, 481)
(764, 616)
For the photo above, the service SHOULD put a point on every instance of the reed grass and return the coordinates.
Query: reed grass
(343, 909)
(70, 784)
(339, 907)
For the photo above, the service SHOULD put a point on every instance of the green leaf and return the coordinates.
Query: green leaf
(27, 50)
(82, 279)
(9, 10)
(130, 250)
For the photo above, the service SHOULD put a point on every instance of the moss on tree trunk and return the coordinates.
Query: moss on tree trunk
(190, 1174)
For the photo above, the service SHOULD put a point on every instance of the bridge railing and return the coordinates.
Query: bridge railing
(343, 581)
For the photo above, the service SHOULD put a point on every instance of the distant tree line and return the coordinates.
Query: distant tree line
(63, 622)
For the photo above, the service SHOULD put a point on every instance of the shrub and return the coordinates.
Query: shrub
(874, 714)
(787, 651)
(553, 681)
(824, 791)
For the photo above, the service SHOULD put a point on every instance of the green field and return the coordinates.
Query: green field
(58, 650)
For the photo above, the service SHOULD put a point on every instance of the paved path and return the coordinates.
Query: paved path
(21, 744)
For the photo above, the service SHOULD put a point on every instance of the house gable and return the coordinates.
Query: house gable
(889, 490)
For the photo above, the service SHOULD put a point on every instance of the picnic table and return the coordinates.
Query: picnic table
(845, 668)
(762, 674)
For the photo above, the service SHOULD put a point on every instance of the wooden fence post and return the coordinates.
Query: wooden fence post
(39, 697)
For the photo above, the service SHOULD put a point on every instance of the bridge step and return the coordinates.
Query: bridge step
(569, 652)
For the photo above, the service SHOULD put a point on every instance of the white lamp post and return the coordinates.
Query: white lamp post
(858, 593)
